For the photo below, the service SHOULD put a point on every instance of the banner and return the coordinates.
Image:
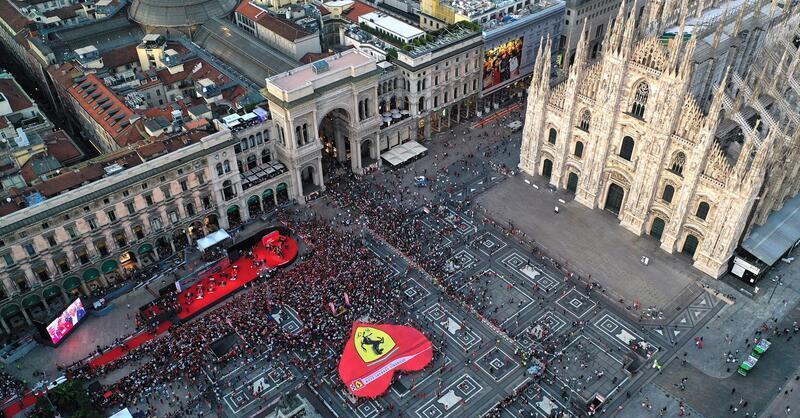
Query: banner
(375, 351)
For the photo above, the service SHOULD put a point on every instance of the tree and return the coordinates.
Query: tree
(68, 399)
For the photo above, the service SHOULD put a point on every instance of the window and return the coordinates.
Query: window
(265, 157)
(138, 231)
(552, 136)
(586, 118)
(155, 224)
(173, 216)
(669, 191)
(227, 190)
(29, 249)
(206, 203)
(200, 178)
(149, 200)
(112, 216)
(677, 163)
(22, 283)
(45, 225)
(62, 264)
(52, 241)
(702, 210)
(121, 240)
(166, 192)
(92, 224)
(162, 179)
(131, 207)
(9, 260)
(626, 150)
(184, 185)
(219, 169)
(579, 149)
(227, 166)
(640, 100)
(102, 248)
(190, 209)
(71, 231)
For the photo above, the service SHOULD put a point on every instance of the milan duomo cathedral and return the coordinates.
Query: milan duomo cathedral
(692, 139)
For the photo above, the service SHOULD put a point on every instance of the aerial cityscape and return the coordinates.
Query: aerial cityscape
(399, 208)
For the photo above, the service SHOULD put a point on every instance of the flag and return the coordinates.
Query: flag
(375, 351)
(346, 299)
(333, 308)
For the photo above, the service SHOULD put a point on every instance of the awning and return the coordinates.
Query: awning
(125, 413)
(9, 310)
(145, 248)
(403, 153)
(90, 275)
(31, 300)
(233, 209)
(267, 195)
(281, 187)
(51, 291)
(770, 241)
(253, 200)
(71, 283)
(109, 266)
(212, 239)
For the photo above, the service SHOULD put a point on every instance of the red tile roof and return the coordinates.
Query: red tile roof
(206, 70)
(282, 27)
(90, 93)
(3, 122)
(60, 146)
(151, 150)
(120, 56)
(314, 56)
(12, 17)
(16, 97)
(357, 10)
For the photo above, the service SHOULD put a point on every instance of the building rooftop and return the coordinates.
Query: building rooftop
(102, 104)
(359, 9)
(17, 99)
(347, 63)
(391, 24)
(179, 13)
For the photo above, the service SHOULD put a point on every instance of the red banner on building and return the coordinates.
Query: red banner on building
(374, 352)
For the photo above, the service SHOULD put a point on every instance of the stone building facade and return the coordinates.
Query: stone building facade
(95, 234)
(655, 132)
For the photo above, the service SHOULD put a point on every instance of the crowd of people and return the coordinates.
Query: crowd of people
(10, 386)
(340, 265)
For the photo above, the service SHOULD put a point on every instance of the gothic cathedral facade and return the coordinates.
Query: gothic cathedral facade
(637, 132)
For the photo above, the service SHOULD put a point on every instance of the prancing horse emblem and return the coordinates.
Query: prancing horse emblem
(372, 343)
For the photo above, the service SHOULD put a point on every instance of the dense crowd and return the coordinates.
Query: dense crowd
(340, 265)
(9, 386)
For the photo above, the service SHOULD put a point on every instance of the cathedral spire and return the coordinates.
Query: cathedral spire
(687, 64)
(629, 35)
(716, 103)
(537, 71)
(745, 155)
(720, 29)
(581, 50)
(738, 25)
(544, 82)
(675, 43)
(615, 29)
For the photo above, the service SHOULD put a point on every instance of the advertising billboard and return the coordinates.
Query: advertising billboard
(66, 322)
(502, 63)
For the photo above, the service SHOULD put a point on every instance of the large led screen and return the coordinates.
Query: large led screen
(502, 63)
(66, 322)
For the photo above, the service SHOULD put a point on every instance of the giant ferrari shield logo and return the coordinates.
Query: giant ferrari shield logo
(372, 343)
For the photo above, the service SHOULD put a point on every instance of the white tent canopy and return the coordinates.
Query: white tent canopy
(125, 413)
(403, 152)
(211, 240)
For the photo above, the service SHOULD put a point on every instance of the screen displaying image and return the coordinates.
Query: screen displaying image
(502, 63)
(65, 322)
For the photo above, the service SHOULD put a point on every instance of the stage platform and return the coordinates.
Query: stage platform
(275, 249)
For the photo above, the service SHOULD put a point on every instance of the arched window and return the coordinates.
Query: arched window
(219, 169)
(702, 210)
(252, 161)
(626, 150)
(305, 133)
(579, 149)
(669, 191)
(265, 157)
(227, 190)
(553, 136)
(421, 104)
(586, 119)
(677, 163)
(298, 137)
(227, 166)
(640, 100)
(190, 209)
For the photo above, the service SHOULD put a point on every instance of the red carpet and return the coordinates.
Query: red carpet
(128, 346)
(26, 402)
(274, 249)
